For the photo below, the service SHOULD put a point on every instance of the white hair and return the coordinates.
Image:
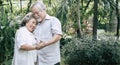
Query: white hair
(27, 18)
(40, 5)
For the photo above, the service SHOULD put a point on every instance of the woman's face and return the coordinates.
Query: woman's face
(31, 24)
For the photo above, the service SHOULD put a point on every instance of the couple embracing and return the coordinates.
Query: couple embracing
(37, 40)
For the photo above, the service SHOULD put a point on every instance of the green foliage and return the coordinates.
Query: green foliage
(64, 41)
(1, 2)
(7, 31)
(6, 43)
(87, 52)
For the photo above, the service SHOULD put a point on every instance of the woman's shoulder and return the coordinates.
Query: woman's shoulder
(21, 30)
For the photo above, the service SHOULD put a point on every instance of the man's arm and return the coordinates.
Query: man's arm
(55, 38)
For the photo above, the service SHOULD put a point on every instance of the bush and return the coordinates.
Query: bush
(63, 41)
(6, 43)
(87, 52)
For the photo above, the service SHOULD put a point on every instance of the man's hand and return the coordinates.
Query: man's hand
(41, 45)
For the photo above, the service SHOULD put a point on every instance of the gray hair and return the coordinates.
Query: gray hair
(40, 5)
(27, 18)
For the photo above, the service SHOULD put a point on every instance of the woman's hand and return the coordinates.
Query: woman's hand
(41, 45)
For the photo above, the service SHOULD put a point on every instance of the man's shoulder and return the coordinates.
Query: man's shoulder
(50, 17)
(54, 18)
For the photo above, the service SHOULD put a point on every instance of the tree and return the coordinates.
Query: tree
(78, 19)
(95, 22)
(28, 5)
(118, 19)
(21, 5)
(11, 6)
(69, 11)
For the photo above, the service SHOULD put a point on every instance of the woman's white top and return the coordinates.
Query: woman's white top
(22, 57)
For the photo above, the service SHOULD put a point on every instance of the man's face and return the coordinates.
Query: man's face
(37, 14)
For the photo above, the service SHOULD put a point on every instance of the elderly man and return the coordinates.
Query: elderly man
(49, 32)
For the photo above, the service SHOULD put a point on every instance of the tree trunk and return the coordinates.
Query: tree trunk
(95, 20)
(21, 5)
(78, 20)
(29, 4)
(113, 22)
(11, 6)
(87, 5)
(118, 19)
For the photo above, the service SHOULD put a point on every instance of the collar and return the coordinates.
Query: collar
(47, 17)
(25, 28)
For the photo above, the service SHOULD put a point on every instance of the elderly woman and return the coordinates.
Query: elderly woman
(25, 42)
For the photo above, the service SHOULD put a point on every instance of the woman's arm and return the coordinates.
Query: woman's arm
(28, 47)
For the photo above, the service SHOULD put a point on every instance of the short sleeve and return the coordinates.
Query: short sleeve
(56, 26)
(20, 38)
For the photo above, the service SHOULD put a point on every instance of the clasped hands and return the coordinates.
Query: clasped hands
(41, 45)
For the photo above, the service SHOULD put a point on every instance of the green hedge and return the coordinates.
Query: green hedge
(86, 52)
(6, 43)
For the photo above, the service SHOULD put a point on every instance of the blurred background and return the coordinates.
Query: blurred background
(91, 29)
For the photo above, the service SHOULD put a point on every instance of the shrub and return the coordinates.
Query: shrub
(6, 43)
(63, 41)
(87, 52)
